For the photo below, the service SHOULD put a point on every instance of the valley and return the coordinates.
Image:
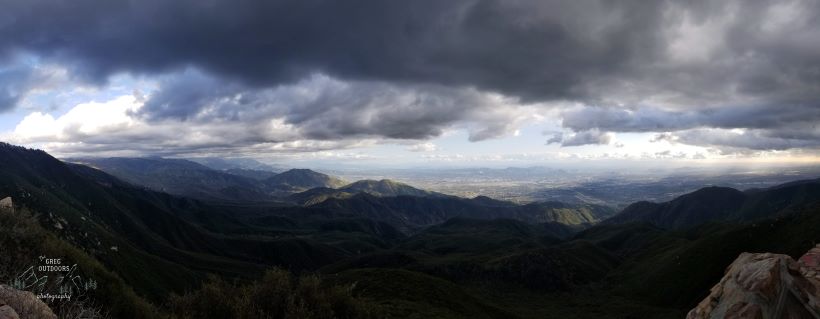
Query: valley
(403, 251)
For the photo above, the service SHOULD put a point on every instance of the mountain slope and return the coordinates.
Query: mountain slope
(317, 195)
(477, 236)
(224, 164)
(411, 212)
(408, 294)
(179, 177)
(254, 174)
(703, 205)
(157, 242)
(721, 204)
(381, 188)
(298, 180)
(386, 188)
(568, 214)
(703, 253)
(86, 215)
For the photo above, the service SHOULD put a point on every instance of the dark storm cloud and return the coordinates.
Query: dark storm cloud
(411, 69)
(9, 93)
(731, 141)
(15, 82)
(779, 126)
(777, 116)
(532, 49)
(323, 108)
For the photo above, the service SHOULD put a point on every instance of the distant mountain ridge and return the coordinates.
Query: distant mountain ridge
(304, 178)
(191, 179)
(179, 177)
(386, 187)
(255, 174)
(224, 164)
(414, 212)
(380, 188)
(721, 204)
(299, 180)
(395, 203)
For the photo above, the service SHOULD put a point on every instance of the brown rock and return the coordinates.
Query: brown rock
(759, 274)
(811, 259)
(762, 286)
(744, 310)
(25, 304)
(6, 312)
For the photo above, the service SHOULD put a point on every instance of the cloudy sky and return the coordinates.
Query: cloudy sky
(425, 82)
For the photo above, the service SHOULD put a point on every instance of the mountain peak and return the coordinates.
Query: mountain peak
(385, 187)
(177, 176)
(719, 204)
(303, 178)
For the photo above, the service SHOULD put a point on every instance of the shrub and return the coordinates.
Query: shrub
(22, 240)
(278, 294)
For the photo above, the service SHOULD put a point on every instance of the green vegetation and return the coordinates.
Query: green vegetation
(303, 179)
(678, 268)
(721, 204)
(23, 240)
(386, 187)
(180, 177)
(395, 257)
(278, 294)
(408, 294)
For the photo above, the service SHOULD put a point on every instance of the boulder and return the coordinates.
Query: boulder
(23, 304)
(765, 286)
(811, 260)
(6, 312)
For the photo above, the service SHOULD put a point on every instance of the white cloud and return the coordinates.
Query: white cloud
(36, 126)
(112, 128)
(749, 139)
(86, 119)
(423, 147)
(320, 113)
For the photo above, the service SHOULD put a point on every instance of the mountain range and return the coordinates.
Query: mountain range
(404, 251)
(722, 204)
(191, 179)
(398, 204)
(381, 188)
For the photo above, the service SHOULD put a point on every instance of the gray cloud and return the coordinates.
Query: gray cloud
(15, 82)
(590, 137)
(323, 108)
(650, 119)
(587, 50)
(779, 127)
(532, 49)
(411, 69)
(758, 140)
(10, 93)
(197, 114)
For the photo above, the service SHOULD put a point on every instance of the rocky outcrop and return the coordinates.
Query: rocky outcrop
(6, 312)
(22, 304)
(766, 286)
